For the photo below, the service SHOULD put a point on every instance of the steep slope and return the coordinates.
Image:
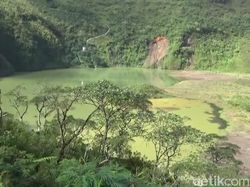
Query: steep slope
(203, 34)
(29, 41)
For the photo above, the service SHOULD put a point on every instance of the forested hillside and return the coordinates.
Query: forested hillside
(203, 34)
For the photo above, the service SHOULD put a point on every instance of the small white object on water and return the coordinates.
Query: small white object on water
(82, 83)
(83, 49)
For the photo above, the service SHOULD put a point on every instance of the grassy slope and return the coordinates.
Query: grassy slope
(219, 32)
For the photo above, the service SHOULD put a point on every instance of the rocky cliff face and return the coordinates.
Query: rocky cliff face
(158, 49)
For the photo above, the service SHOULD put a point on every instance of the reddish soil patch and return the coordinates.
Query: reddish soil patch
(158, 49)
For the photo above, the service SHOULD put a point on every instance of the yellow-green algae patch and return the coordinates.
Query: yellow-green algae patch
(198, 114)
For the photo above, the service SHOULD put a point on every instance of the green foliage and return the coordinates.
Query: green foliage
(151, 91)
(74, 174)
(169, 133)
(223, 153)
(214, 52)
(16, 167)
(205, 34)
(218, 160)
(32, 40)
(5, 66)
(1, 111)
(119, 116)
(242, 102)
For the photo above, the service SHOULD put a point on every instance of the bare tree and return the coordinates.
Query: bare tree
(43, 106)
(63, 101)
(18, 101)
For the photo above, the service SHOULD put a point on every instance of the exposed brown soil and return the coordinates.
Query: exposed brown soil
(243, 141)
(158, 49)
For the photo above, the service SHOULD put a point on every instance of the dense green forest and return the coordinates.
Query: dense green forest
(203, 34)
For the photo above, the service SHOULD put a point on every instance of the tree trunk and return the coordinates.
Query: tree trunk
(168, 162)
(105, 140)
(61, 153)
(39, 123)
(1, 118)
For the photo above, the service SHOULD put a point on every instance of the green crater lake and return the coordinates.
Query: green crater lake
(203, 116)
